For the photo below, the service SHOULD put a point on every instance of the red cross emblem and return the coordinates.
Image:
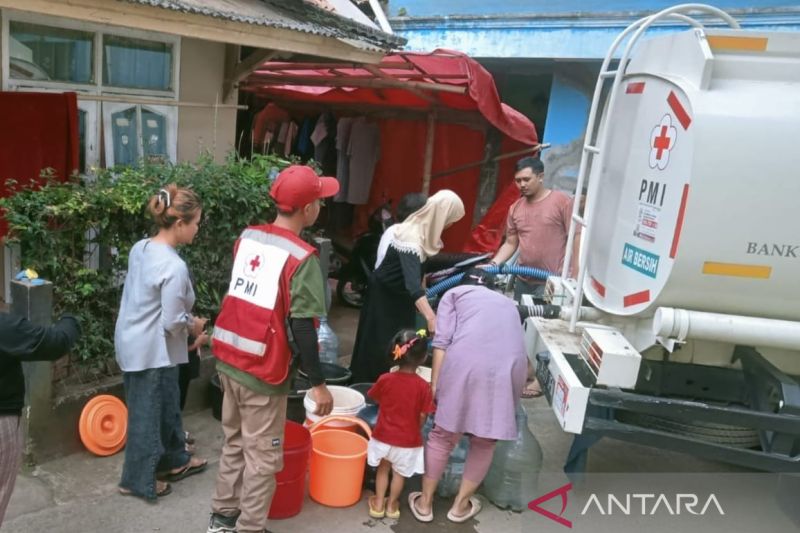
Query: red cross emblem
(662, 140)
(252, 265)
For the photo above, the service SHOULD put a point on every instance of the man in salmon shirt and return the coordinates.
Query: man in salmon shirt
(538, 226)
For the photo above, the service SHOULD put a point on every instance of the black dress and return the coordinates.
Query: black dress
(388, 308)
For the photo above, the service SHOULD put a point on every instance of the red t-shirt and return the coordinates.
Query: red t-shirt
(402, 398)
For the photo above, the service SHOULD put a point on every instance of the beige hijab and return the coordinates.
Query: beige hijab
(421, 233)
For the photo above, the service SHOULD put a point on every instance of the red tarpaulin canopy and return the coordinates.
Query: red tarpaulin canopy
(444, 86)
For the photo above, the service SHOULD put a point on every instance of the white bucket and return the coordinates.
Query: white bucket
(346, 402)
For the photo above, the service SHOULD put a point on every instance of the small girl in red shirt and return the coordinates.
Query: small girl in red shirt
(405, 401)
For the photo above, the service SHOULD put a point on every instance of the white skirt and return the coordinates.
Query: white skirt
(405, 461)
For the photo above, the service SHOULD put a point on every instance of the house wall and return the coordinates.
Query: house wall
(201, 77)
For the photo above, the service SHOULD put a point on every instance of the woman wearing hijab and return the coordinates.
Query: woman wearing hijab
(395, 288)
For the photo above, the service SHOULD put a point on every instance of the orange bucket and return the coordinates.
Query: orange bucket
(103, 425)
(338, 457)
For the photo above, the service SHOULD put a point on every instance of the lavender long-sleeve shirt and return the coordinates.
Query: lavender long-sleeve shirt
(155, 314)
(485, 363)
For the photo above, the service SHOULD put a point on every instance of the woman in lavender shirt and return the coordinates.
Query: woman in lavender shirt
(479, 370)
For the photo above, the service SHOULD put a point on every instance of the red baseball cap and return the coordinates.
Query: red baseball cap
(299, 185)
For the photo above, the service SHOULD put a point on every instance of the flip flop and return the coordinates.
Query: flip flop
(372, 512)
(393, 515)
(533, 392)
(166, 489)
(186, 471)
(412, 498)
(475, 508)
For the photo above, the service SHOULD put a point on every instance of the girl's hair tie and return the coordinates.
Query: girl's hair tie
(401, 349)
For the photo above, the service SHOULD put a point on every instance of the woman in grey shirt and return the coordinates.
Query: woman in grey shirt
(150, 340)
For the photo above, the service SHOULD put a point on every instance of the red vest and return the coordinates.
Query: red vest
(250, 331)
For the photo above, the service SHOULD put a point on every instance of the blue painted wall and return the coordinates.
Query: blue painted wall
(567, 115)
(433, 8)
(565, 29)
(567, 112)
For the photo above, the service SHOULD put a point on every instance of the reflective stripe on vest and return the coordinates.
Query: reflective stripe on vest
(275, 240)
(240, 343)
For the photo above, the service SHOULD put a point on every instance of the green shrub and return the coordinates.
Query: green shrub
(59, 225)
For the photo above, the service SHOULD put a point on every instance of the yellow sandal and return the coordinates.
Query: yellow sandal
(393, 515)
(372, 512)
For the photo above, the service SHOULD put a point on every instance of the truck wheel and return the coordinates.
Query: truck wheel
(736, 436)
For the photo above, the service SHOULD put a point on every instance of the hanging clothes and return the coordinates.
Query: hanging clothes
(303, 146)
(325, 150)
(286, 136)
(364, 150)
(343, 162)
(320, 132)
(265, 126)
(320, 138)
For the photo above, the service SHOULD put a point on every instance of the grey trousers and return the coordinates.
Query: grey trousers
(522, 286)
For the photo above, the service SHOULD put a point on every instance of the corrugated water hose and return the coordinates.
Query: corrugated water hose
(529, 272)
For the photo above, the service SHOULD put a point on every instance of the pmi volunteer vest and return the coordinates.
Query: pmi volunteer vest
(250, 331)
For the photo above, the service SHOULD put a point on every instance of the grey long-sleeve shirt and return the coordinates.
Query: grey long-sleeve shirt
(155, 313)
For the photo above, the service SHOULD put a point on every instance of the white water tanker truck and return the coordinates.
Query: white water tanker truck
(682, 329)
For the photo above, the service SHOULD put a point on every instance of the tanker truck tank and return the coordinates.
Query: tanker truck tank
(698, 194)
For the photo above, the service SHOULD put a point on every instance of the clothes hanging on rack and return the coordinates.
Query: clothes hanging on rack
(303, 145)
(364, 145)
(286, 136)
(266, 124)
(320, 132)
(343, 152)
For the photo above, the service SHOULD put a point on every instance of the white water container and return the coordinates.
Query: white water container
(346, 402)
(697, 203)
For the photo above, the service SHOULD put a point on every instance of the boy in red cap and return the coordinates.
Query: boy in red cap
(275, 295)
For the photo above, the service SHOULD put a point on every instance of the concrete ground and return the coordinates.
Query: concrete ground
(78, 493)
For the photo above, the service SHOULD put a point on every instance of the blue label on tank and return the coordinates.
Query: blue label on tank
(640, 260)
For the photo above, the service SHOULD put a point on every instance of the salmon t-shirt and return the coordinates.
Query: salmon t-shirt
(542, 228)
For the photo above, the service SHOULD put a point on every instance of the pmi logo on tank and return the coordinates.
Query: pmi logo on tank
(774, 250)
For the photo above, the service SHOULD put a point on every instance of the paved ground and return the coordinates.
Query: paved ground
(78, 493)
